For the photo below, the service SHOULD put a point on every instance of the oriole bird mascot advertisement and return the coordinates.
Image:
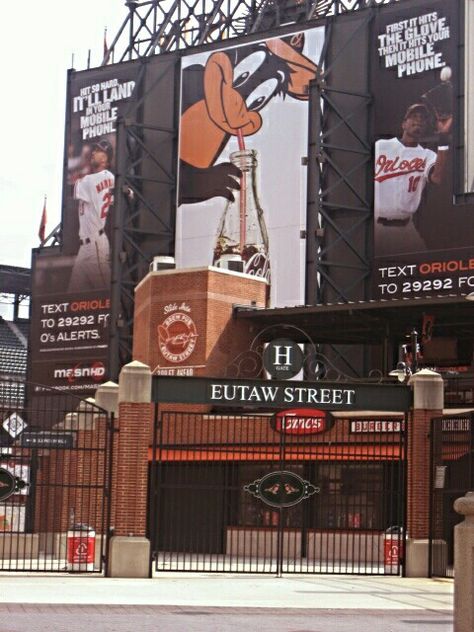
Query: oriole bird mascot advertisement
(243, 133)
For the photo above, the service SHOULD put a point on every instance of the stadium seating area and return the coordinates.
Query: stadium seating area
(13, 348)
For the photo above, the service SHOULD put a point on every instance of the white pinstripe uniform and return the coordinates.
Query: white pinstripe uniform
(94, 193)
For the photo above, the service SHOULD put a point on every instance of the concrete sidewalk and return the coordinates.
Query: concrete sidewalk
(226, 603)
(231, 591)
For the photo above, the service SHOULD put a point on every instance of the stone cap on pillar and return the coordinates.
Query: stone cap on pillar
(135, 383)
(106, 397)
(83, 418)
(428, 390)
(465, 506)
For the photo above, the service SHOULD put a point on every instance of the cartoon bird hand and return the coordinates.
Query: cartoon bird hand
(197, 185)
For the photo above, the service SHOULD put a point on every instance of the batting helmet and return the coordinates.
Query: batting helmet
(417, 107)
(105, 146)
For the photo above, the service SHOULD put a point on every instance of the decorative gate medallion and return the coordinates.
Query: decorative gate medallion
(281, 489)
(7, 484)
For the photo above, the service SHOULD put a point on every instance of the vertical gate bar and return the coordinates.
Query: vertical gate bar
(214, 432)
(431, 499)
(280, 542)
(77, 497)
(282, 462)
(192, 468)
(169, 439)
(241, 533)
(52, 479)
(233, 501)
(151, 523)
(471, 449)
(157, 455)
(92, 463)
(31, 507)
(176, 547)
(204, 544)
(406, 440)
(265, 535)
(97, 494)
(108, 478)
(208, 559)
(198, 555)
(205, 535)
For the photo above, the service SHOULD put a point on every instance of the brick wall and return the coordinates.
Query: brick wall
(183, 320)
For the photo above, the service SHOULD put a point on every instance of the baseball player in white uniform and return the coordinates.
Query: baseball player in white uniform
(94, 193)
(403, 167)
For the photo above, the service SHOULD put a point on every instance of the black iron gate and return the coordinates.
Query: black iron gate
(55, 466)
(452, 475)
(277, 494)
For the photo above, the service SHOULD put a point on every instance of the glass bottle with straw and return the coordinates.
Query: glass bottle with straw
(242, 233)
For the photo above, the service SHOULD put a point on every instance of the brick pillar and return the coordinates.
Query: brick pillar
(129, 553)
(428, 402)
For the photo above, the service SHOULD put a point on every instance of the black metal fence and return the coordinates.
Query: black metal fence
(458, 390)
(452, 475)
(262, 494)
(55, 465)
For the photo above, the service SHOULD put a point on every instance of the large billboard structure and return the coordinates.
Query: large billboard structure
(117, 213)
(422, 236)
(70, 314)
(262, 140)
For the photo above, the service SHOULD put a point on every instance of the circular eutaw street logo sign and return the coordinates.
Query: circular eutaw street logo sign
(281, 489)
(177, 336)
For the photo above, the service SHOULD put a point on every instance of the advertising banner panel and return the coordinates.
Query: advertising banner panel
(242, 181)
(94, 100)
(423, 242)
(70, 307)
(69, 330)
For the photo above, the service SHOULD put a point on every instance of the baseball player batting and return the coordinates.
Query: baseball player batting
(403, 168)
(94, 193)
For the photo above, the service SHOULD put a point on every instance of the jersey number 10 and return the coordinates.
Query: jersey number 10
(413, 183)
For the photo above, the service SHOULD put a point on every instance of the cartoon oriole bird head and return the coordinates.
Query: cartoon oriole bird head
(236, 86)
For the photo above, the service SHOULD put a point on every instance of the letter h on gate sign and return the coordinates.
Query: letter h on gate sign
(282, 355)
(283, 358)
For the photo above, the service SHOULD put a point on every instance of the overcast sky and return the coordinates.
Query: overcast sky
(37, 42)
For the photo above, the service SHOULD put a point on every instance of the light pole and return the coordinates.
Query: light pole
(414, 350)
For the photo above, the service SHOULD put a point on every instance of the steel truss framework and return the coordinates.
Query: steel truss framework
(339, 192)
(138, 221)
(159, 26)
(337, 257)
